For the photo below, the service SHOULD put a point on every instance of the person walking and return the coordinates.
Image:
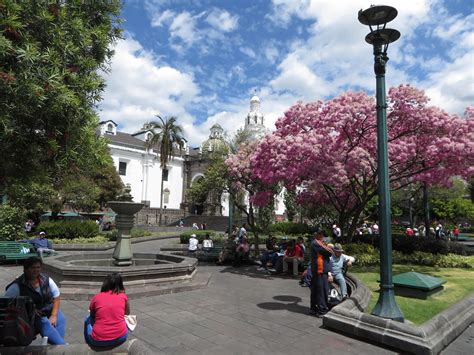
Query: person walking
(320, 266)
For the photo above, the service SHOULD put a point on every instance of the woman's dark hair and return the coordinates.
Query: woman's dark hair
(31, 261)
(114, 283)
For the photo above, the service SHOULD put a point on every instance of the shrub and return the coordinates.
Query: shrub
(11, 222)
(290, 228)
(367, 255)
(200, 234)
(110, 235)
(408, 245)
(139, 232)
(70, 229)
(100, 239)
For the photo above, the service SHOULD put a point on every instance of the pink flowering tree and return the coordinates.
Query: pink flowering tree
(329, 149)
(243, 181)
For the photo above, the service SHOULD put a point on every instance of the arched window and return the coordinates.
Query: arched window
(110, 127)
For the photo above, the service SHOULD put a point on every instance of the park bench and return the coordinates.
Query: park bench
(211, 254)
(10, 250)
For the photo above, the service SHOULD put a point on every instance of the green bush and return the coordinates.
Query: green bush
(100, 239)
(367, 255)
(70, 229)
(200, 234)
(290, 228)
(408, 245)
(110, 235)
(139, 232)
(11, 222)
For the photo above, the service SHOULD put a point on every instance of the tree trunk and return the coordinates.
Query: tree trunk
(161, 196)
(251, 220)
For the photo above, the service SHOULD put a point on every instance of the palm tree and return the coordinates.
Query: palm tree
(166, 134)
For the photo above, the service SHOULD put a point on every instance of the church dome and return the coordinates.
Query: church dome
(216, 143)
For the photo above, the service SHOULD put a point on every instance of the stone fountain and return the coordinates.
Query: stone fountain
(80, 275)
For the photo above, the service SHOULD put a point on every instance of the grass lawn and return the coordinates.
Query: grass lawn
(460, 283)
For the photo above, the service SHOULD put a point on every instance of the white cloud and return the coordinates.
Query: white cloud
(248, 51)
(183, 27)
(222, 20)
(138, 88)
(159, 19)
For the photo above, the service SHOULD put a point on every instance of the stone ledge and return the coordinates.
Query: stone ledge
(132, 347)
(107, 246)
(429, 338)
(200, 280)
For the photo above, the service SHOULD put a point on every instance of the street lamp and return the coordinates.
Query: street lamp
(376, 17)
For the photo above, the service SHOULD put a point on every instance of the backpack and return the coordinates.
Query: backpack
(334, 297)
(17, 321)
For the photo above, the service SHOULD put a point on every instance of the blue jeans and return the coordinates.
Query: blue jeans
(55, 334)
(341, 281)
(88, 326)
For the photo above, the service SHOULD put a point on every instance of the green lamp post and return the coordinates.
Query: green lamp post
(376, 17)
(231, 212)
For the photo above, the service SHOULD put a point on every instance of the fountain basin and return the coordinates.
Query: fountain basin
(80, 275)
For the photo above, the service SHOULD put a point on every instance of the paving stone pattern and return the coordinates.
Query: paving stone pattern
(242, 311)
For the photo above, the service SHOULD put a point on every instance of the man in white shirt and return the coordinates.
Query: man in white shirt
(193, 243)
(338, 261)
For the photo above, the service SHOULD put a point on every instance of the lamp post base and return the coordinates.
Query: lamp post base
(386, 306)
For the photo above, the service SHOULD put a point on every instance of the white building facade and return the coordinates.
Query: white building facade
(140, 168)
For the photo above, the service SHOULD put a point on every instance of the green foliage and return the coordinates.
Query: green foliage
(452, 209)
(70, 229)
(100, 239)
(81, 194)
(265, 216)
(367, 255)
(51, 55)
(139, 232)
(11, 222)
(409, 245)
(200, 234)
(290, 204)
(290, 228)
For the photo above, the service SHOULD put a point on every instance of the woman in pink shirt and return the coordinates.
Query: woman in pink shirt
(105, 326)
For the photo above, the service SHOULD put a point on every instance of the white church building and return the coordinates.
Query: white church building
(139, 167)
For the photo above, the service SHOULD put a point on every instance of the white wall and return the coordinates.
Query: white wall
(144, 176)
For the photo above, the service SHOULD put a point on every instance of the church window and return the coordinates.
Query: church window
(110, 128)
(165, 174)
(166, 195)
(122, 168)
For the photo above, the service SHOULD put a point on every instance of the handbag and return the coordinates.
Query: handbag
(131, 321)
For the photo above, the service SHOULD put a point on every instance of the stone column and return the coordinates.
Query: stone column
(124, 222)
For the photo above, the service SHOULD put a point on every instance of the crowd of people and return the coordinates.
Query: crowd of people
(105, 324)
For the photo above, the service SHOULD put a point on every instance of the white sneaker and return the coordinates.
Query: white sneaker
(261, 268)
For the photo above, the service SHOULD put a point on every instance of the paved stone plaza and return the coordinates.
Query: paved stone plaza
(242, 311)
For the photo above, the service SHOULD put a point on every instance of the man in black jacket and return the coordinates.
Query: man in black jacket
(320, 266)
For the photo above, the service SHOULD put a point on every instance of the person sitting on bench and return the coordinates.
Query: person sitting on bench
(41, 244)
(50, 321)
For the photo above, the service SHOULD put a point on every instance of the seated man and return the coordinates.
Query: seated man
(193, 243)
(270, 253)
(41, 244)
(293, 254)
(337, 263)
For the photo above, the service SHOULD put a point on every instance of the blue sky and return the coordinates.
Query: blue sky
(202, 60)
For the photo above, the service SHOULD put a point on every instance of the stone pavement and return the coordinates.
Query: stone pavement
(243, 311)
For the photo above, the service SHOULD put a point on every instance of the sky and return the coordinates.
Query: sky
(201, 61)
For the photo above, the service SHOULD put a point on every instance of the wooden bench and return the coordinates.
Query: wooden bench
(10, 250)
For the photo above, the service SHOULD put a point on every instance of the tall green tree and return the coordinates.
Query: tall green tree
(51, 56)
(167, 136)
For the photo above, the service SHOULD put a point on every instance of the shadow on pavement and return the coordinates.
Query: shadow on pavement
(293, 306)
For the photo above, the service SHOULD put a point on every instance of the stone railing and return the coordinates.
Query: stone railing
(429, 338)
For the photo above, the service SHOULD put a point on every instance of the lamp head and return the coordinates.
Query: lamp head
(383, 36)
(377, 15)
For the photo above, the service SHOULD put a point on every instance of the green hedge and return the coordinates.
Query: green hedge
(69, 229)
(408, 245)
(290, 228)
(139, 232)
(367, 255)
